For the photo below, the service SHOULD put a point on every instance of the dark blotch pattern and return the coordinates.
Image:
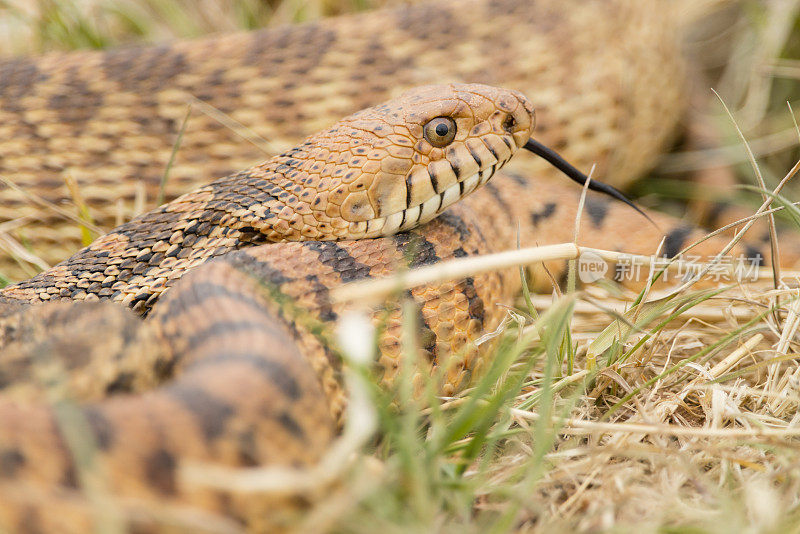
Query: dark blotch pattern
(417, 250)
(597, 210)
(755, 254)
(160, 471)
(456, 223)
(219, 329)
(123, 383)
(204, 291)
(476, 311)
(277, 374)
(10, 462)
(290, 424)
(211, 414)
(498, 197)
(337, 258)
(675, 240)
(545, 213)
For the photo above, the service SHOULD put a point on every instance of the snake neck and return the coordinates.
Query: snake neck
(375, 173)
(137, 261)
(284, 199)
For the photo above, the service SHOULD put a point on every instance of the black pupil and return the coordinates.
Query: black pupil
(441, 129)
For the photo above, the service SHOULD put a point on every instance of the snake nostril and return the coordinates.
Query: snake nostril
(509, 123)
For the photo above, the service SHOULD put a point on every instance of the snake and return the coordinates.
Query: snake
(216, 371)
(110, 120)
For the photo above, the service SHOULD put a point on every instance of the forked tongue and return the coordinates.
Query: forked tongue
(552, 157)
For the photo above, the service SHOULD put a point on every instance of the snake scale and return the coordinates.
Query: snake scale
(110, 120)
(217, 372)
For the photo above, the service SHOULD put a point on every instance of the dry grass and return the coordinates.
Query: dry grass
(43, 25)
(605, 409)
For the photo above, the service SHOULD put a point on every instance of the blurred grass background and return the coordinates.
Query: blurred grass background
(42, 25)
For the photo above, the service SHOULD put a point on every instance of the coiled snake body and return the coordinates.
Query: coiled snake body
(252, 386)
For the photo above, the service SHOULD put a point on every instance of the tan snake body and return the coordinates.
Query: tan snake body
(237, 381)
(368, 175)
(110, 119)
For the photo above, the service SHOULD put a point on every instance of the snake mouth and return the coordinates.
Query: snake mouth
(421, 213)
(428, 210)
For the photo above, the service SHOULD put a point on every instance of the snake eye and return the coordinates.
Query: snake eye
(440, 131)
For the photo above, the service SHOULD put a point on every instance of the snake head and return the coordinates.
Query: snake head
(399, 164)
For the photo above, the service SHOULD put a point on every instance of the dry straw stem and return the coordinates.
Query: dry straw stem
(716, 309)
(50, 206)
(789, 380)
(723, 366)
(696, 160)
(773, 233)
(581, 426)
(762, 210)
(376, 289)
(83, 209)
(23, 256)
(267, 147)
